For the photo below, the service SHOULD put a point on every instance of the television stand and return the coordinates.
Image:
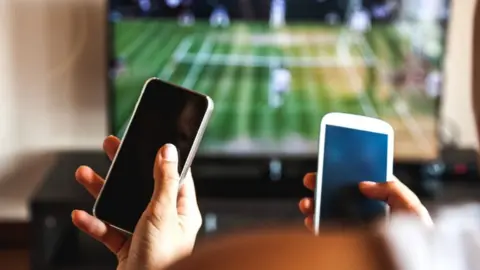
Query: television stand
(275, 170)
(57, 244)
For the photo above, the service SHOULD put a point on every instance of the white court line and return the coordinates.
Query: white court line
(332, 99)
(138, 41)
(290, 103)
(354, 79)
(223, 108)
(186, 46)
(180, 51)
(264, 61)
(246, 89)
(183, 48)
(198, 63)
(225, 81)
(280, 39)
(309, 77)
(402, 108)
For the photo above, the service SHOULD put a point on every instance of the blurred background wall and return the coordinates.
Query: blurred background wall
(52, 77)
(52, 93)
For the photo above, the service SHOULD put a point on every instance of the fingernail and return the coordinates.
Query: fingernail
(73, 213)
(367, 183)
(169, 152)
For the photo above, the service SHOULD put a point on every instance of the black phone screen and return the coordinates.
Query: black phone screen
(165, 114)
(351, 156)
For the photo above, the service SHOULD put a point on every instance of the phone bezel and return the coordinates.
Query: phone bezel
(188, 160)
(351, 121)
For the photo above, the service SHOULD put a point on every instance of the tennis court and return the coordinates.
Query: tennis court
(332, 70)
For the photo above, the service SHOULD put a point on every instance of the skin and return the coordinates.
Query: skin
(398, 196)
(175, 219)
(172, 216)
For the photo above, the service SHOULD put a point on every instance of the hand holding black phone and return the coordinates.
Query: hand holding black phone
(164, 114)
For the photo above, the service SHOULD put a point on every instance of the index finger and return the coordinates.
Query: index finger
(187, 190)
(89, 179)
(309, 180)
(110, 146)
(113, 239)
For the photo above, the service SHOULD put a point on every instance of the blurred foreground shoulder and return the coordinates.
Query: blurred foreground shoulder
(291, 248)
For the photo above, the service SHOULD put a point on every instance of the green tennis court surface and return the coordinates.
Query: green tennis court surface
(331, 68)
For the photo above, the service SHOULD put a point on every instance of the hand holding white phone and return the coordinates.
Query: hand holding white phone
(352, 149)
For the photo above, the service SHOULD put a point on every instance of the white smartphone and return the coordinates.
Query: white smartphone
(351, 149)
(164, 113)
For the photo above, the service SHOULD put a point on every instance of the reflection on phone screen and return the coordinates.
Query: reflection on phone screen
(351, 156)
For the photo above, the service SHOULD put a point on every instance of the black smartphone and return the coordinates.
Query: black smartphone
(164, 113)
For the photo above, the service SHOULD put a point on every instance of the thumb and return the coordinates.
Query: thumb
(395, 193)
(398, 196)
(166, 177)
(374, 190)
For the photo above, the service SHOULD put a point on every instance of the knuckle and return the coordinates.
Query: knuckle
(156, 213)
(169, 176)
(171, 179)
(394, 187)
(156, 219)
(392, 184)
(169, 173)
(169, 162)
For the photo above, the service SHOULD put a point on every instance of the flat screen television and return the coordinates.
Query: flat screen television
(275, 67)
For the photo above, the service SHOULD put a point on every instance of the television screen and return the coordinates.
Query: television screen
(275, 67)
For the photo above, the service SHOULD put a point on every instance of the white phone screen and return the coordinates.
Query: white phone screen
(352, 156)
